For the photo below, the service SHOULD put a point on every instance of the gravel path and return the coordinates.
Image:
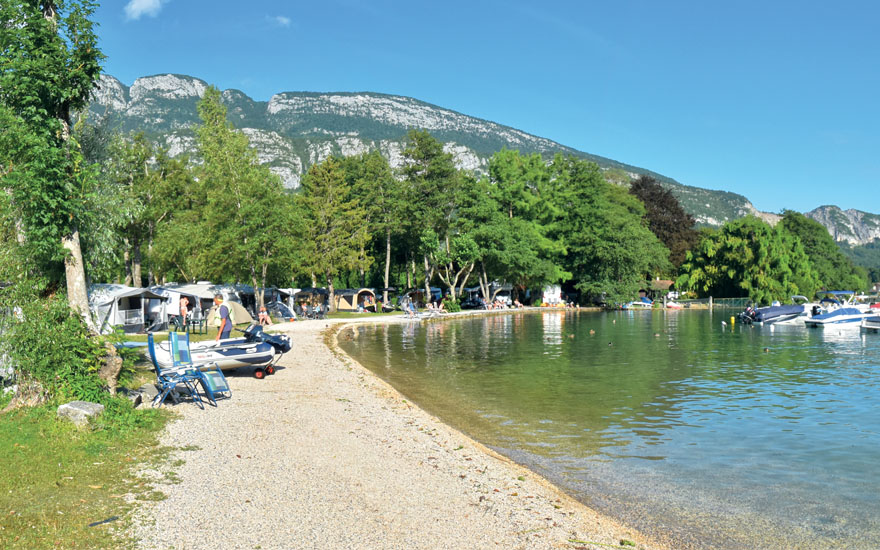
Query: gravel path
(323, 454)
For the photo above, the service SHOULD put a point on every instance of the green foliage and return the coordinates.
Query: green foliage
(48, 344)
(749, 258)
(49, 62)
(866, 256)
(610, 252)
(833, 269)
(334, 222)
(452, 306)
(666, 218)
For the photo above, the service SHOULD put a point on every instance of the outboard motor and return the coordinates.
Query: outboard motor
(281, 342)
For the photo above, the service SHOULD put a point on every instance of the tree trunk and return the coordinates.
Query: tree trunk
(429, 274)
(387, 265)
(484, 282)
(77, 293)
(332, 294)
(137, 282)
(363, 273)
(126, 259)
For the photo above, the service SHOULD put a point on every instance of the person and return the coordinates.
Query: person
(224, 319)
(263, 317)
(184, 301)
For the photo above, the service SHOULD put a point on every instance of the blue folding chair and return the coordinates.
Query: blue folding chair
(210, 376)
(170, 380)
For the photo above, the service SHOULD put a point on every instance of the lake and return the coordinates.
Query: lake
(714, 436)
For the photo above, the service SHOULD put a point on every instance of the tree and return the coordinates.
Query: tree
(747, 257)
(609, 251)
(666, 218)
(515, 244)
(335, 232)
(432, 181)
(49, 64)
(374, 187)
(833, 269)
(249, 224)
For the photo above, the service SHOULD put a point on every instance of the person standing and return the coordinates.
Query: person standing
(184, 302)
(224, 319)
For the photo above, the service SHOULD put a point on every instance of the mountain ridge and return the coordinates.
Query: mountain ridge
(293, 130)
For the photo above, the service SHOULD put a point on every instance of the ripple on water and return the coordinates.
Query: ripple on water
(700, 433)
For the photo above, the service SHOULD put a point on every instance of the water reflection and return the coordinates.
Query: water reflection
(667, 412)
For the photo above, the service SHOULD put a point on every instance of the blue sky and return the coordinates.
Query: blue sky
(777, 101)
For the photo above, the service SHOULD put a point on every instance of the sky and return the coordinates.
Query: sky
(776, 101)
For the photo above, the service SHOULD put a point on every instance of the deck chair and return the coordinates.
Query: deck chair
(211, 378)
(170, 379)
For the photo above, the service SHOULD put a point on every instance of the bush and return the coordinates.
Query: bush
(48, 344)
(452, 306)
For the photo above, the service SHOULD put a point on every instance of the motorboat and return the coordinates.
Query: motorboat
(642, 303)
(779, 314)
(255, 348)
(871, 324)
(841, 311)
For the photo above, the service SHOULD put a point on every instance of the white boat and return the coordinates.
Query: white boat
(255, 349)
(795, 313)
(871, 324)
(843, 311)
(643, 303)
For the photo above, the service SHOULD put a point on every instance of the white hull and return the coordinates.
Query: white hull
(228, 354)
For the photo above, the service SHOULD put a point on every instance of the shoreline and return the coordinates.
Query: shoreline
(326, 454)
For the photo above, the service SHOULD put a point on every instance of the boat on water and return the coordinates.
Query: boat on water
(871, 324)
(255, 348)
(841, 311)
(782, 314)
(642, 303)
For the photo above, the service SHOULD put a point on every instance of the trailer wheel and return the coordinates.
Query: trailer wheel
(270, 370)
(259, 374)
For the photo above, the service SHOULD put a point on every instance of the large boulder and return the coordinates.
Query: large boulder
(79, 412)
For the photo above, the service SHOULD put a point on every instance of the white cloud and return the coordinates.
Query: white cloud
(281, 20)
(135, 9)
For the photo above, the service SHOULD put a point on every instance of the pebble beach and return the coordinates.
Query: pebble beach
(324, 454)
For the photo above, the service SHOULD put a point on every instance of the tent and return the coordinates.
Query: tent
(350, 299)
(238, 311)
(312, 296)
(122, 306)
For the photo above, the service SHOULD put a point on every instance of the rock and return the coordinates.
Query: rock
(79, 412)
(148, 391)
(135, 396)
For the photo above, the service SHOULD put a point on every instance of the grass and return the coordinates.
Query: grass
(58, 479)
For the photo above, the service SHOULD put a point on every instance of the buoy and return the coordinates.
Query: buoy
(732, 321)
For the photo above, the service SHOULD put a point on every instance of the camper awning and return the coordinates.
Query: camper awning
(100, 294)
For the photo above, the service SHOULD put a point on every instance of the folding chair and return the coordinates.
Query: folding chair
(170, 380)
(211, 378)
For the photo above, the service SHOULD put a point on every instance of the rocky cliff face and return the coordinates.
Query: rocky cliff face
(852, 226)
(294, 130)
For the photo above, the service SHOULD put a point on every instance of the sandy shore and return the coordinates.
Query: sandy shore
(323, 454)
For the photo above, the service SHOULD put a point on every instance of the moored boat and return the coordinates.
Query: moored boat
(871, 324)
(255, 349)
(843, 311)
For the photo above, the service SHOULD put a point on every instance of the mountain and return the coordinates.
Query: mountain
(850, 226)
(294, 130)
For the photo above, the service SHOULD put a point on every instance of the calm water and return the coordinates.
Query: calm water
(715, 437)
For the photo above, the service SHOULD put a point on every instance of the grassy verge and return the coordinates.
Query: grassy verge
(57, 479)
